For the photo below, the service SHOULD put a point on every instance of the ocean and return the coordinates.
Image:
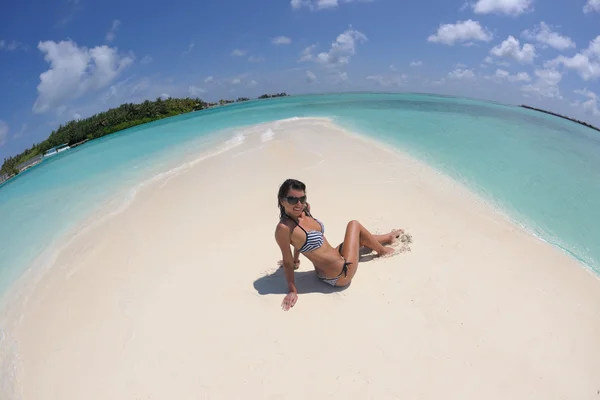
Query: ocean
(541, 171)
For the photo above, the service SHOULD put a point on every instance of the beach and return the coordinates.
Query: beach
(178, 296)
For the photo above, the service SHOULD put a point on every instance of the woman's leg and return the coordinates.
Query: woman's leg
(355, 237)
(390, 237)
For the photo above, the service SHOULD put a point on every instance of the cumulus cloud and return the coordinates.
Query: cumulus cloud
(461, 31)
(3, 132)
(546, 84)
(310, 77)
(586, 63)
(146, 60)
(281, 40)
(317, 5)
(503, 76)
(416, 63)
(340, 77)
(342, 49)
(112, 32)
(12, 46)
(238, 53)
(591, 6)
(189, 49)
(209, 79)
(544, 35)
(195, 90)
(591, 105)
(75, 71)
(458, 73)
(255, 59)
(387, 81)
(511, 48)
(506, 7)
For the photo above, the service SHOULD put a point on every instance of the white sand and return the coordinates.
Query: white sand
(170, 299)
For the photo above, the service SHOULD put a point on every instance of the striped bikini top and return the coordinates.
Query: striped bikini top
(314, 239)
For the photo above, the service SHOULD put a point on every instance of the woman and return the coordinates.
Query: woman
(334, 266)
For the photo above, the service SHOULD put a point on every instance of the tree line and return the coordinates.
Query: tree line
(113, 120)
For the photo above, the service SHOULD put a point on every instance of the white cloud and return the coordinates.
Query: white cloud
(189, 49)
(506, 7)
(164, 96)
(236, 81)
(591, 6)
(76, 116)
(307, 54)
(112, 32)
(502, 76)
(341, 77)
(209, 79)
(546, 84)
(316, 5)
(462, 31)
(591, 105)
(255, 59)
(75, 71)
(3, 132)
(547, 37)
(416, 63)
(238, 53)
(146, 60)
(310, 77)
(580, 63)
(195, 90)
(387, 81)
(511, 48)
(342, 49)
(461, 74)
(281, 40)
(21, 132)
(12, 46)
(252, 83)
(586, 63)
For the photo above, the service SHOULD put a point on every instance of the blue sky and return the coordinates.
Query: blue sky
(67, 59)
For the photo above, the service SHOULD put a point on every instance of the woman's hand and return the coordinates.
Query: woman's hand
(289, 301)
(296, 263)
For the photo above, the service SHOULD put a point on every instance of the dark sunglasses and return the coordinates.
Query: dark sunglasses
(293, 200)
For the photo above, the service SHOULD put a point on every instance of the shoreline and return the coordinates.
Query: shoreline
(126, 198)
(97, 258)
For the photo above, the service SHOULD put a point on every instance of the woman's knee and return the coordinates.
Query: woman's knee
(353, 224)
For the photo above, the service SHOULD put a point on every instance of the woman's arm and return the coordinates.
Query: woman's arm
(282, 236)
(296, 258)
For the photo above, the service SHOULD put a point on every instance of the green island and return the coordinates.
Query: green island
(77, 132)
(560, 116)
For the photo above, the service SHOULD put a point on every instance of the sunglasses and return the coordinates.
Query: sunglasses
(293, 200)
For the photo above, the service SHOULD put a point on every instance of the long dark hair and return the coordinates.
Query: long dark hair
(284, 189)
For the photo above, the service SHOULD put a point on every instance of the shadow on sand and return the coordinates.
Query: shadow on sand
(306, 281)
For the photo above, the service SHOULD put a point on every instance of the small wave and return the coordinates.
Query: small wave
(267, 135)
(17, 293)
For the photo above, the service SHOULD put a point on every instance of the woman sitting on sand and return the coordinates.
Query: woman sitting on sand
(297, 227)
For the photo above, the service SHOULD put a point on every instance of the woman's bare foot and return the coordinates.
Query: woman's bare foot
(393, 236)
(387, 251)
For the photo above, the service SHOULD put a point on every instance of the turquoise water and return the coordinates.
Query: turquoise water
(542, 171)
